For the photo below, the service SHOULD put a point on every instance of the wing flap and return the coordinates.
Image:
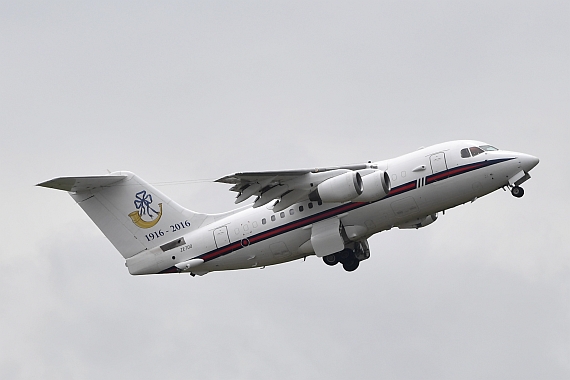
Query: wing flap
(270, 185)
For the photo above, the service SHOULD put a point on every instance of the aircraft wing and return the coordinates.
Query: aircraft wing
(288, 186)
(242, 180)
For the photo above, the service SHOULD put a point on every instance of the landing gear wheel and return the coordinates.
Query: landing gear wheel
(351, 265)
(517, 191)
(345, 255)
(330, 259)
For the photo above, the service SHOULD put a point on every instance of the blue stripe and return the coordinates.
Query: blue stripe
(300, 223)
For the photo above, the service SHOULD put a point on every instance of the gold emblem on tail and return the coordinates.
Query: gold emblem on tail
(136, 218)
(143, 203)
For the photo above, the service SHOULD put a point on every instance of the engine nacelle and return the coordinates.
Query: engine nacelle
(341, 188)
(376, 186)
(419, 223)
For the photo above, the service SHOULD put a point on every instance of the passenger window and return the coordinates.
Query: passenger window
(301, 208)
(254, 224)
(310, 205)
(320, 203)
(273, 218)
(291, 211)
(475, 151)
(282, 214)
(465, 153)
(263, 221)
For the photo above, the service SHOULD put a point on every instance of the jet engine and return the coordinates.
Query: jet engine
(376, 186)
(341, 188)
(420, 222)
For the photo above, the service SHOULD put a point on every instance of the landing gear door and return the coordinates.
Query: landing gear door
(438, 163)
(326, 238)
(221, 236)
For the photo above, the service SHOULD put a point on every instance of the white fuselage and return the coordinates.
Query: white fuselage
(423, 182)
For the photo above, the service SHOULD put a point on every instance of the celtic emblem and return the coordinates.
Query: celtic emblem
(143, 202)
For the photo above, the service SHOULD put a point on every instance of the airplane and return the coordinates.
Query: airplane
(328, 212)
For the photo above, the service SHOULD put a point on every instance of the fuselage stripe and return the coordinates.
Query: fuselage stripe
(235, 246)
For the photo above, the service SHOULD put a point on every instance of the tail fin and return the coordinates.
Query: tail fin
(132, 214)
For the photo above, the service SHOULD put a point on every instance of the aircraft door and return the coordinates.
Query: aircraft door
(438, 163)
(221, 236)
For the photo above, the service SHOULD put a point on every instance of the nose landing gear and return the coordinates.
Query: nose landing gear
(517, 191)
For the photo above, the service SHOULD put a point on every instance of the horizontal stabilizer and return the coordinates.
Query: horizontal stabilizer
(78, 184)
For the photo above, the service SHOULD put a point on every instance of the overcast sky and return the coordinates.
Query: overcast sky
(186, 90)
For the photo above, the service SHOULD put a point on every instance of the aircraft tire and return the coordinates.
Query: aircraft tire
(345, 255)
(351, 265)
(330, 259)
(517, 191)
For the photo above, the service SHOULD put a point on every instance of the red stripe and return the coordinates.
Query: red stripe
(453, 172)
(403, 188)
(281, 230)
(329, 213)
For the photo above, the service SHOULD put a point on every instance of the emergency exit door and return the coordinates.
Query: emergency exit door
(221, 236)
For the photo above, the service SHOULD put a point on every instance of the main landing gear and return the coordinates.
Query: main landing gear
(349, 258)
(517, 191)
(346, 257)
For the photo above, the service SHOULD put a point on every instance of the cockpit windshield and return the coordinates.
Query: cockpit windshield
(475, 150)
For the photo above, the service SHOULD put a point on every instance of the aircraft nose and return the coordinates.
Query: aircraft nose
(528, 162)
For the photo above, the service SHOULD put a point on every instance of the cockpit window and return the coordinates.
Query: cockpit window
(475, 151)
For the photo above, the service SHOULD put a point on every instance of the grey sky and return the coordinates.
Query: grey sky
(197, 90)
